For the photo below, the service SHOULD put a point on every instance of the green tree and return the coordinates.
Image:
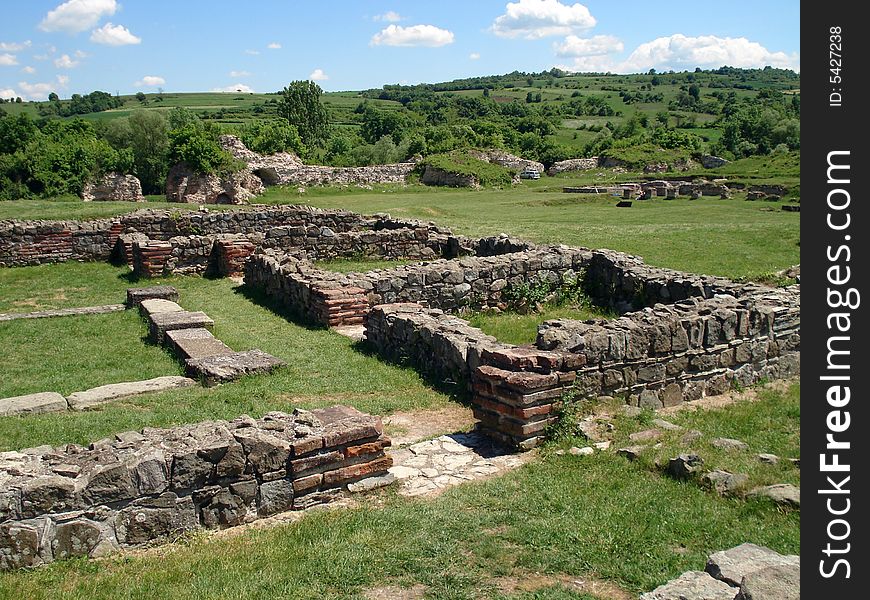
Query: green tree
(303, 110)
(196, 145)
(140, 96)
(269, 137)
(52, 97)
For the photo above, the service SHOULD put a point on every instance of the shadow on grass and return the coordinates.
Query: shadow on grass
(458, 390)
(455, 390)
(260, 298)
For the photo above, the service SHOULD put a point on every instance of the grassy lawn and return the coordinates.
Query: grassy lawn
(515, 328)
(70, 354)
(598, 516)
(74, 353)
(587, 517)
(718, 237)
(67, 285)
(732, 237)
(769, 425)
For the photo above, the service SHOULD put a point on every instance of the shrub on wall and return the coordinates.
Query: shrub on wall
(461, 163)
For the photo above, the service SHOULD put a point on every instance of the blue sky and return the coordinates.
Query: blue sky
(261, 45)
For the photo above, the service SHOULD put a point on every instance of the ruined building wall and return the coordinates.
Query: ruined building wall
(137, 487)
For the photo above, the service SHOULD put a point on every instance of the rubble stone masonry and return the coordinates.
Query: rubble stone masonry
(152, 484)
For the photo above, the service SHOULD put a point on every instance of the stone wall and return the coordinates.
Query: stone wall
(25, 243)
(450, 285)
(36, 242)
(694, 336)
(506, 159)
(138, 487)
(573, 164)
(286, 169)
(115, 187)
(435, 176)
(185, 185)
(442, 346)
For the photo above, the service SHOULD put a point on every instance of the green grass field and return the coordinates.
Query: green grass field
(557, 519)
(732, 237)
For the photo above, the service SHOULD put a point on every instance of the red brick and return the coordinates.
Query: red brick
(300, 465)
(369, 448)
(307, 483)
(352, 472)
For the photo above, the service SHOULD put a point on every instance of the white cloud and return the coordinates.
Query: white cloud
(114, 35)
(252, 52)
(474, 56)
(681, 52)
(239, 74)
(594, 46)
(390, 16)
(677, 52)
(416, 35)
(62, 80)
(535, 19)
(29, 70)
(77, 15)
(8, 93)
(238, 87)
(274, 46)
(150, 80)
(318, 75)
(14, 46)
(80, 54)
(8, 60)
(600, 63)
(36, 91)
(65, 62)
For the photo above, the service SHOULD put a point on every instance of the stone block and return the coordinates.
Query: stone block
(275, 497)
(693, 585)
(732, 565)
(135, 296)
(31, 404)
(778, 582)
(160, 323)
(115, 391)
(154, 518)
(213, 370)
(153, 306)
(195, 343)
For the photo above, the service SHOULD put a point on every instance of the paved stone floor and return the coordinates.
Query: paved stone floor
(433, 465)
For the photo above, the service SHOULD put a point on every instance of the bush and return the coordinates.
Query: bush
(197, 146)
(270, 137)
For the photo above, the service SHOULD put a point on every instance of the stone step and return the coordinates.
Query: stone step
(162, 322)
(195, 343)
(153, 306)
(115, 391)
(30, 404)
(221, 369)
(135, 296)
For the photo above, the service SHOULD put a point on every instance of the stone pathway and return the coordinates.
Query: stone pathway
(64, 312)
(430, 467)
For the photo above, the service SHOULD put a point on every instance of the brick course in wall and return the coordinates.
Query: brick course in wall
(716, 335)
(141, 486)
(25, 243)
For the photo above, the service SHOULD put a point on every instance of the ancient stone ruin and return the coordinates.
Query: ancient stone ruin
(186, 185)
(115, 187)
(678, 337)
(141, 486)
